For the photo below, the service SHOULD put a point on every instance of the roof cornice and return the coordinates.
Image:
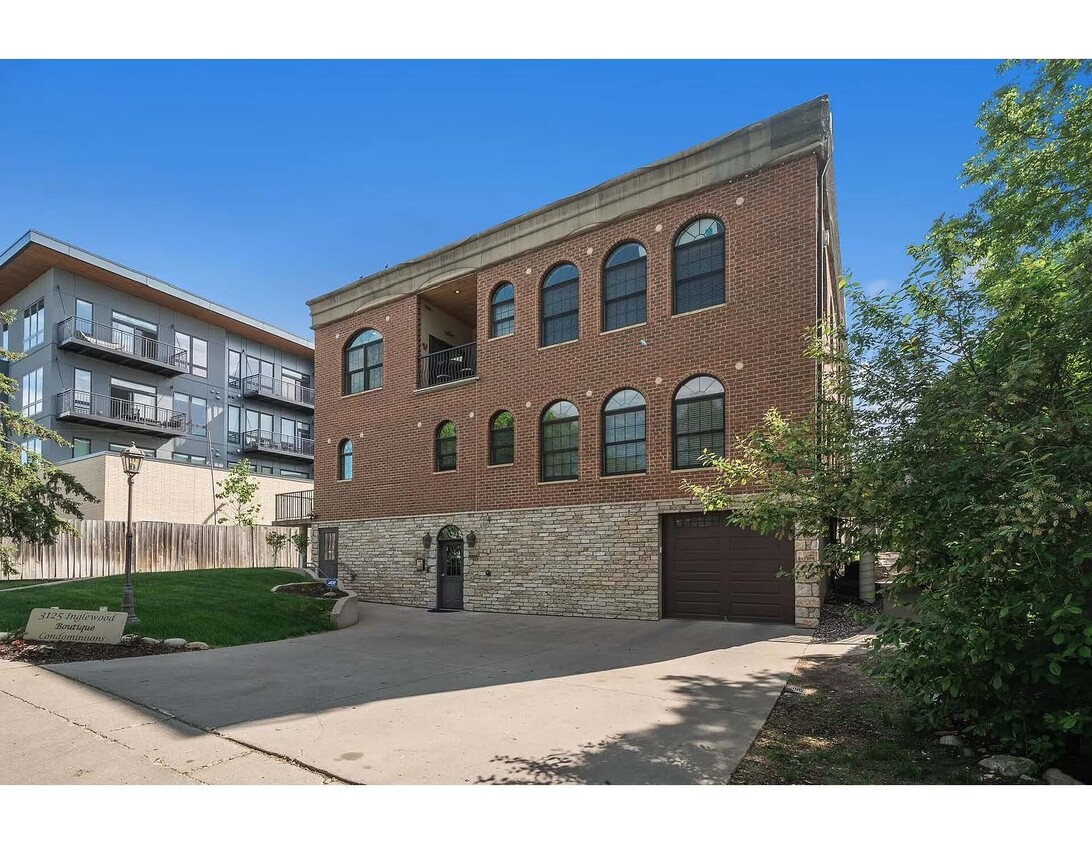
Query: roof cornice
(800, 130)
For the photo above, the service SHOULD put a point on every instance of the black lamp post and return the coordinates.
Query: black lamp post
(131, 459)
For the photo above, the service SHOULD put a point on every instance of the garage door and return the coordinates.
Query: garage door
(714, 570)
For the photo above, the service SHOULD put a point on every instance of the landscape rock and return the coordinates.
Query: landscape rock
(148, 640)
(6, 637)
(196, 646)
(175, 643)
(129, 639)
(329, 594)
(951, 741)
(1008, 766)
(1057, 777)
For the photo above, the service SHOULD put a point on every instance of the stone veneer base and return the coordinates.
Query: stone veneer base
(599, 560)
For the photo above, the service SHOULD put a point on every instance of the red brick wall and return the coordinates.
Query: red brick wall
(770, 305)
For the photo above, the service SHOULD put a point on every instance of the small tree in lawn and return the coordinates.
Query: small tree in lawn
(236, 494)
(276, 541)
(35, 495)
(301, 540)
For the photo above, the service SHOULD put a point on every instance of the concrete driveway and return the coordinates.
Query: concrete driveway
(408, 696)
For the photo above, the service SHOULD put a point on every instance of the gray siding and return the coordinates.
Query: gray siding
(60, 289)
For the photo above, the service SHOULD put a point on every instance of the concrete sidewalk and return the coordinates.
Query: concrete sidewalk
(59, 732)
(413, 697)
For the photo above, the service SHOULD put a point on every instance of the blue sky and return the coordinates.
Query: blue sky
(262, 184)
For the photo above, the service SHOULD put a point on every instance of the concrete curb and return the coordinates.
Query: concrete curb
(346, 611)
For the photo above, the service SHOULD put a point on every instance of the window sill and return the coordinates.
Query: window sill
(500, 465)
(344, 481)
(501, 337)
(621, 476)
(361, 393)
(562, 481)
(693, 469)
(623, 328)
(444, 471)
(558, 345)
(701, 310)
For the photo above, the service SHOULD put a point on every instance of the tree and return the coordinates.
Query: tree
(276, 541)
(236, 493)
(35, 495)
(967, 447)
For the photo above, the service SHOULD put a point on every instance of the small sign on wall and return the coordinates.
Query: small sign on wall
(331, 583)
(92, 626)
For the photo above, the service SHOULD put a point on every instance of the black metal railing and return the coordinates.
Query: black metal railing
(454, 364)
(111, 339)
(264, 385)
(122, 411)
(274, 441)
(295, 506)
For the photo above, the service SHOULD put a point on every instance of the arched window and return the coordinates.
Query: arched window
(699, 420)
(624, 433)
(624, 275)
(560, 305)
(363, 362)
(560, 437)
(445, 447)
(502, 439)
(502, 311)
(345, 460)
(699, 266)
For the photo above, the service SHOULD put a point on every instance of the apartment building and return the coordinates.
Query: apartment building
(114, 356)
(504, 424)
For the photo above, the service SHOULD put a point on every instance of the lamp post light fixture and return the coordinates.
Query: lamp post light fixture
(131, 460)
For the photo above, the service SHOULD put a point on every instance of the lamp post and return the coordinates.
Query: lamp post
(131, 458)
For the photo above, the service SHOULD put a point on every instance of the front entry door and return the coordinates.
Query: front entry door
(450, 570)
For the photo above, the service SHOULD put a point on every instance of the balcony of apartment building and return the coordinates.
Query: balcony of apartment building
(294, 509)
(132, 348)
(448, 348)
(120, 412)
(274, 444)
(283, 391)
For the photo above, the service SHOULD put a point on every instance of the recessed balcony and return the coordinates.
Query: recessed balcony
(120, 414)
(273, 444)
(283, 392)
(447, 366)
(99, 340)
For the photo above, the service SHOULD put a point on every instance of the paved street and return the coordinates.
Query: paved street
(408, 696)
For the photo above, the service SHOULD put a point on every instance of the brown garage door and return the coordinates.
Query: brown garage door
(714, 570)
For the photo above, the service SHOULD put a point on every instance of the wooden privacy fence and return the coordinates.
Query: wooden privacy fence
(98, 549)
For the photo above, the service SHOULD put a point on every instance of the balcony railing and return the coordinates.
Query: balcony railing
(272, 442)
(295, 506)
(105, 341)
(454, 364)
(111, 412)
(276, 389)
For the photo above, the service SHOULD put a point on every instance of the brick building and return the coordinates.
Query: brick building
(504, 424)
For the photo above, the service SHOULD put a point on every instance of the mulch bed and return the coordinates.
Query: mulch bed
(314, 589)
(844, 616)
(57, 652)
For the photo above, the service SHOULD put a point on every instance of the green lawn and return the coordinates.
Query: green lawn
(219, 606)
(15, 584)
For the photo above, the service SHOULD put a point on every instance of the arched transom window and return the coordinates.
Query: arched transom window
(560, 438)
(502, 439)
(445, 447)
(699, 266)
(624, 433)
(345, 460)
(624, 281)
(363, 362)
(502, 311)
(699, 420)
(560, 305)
